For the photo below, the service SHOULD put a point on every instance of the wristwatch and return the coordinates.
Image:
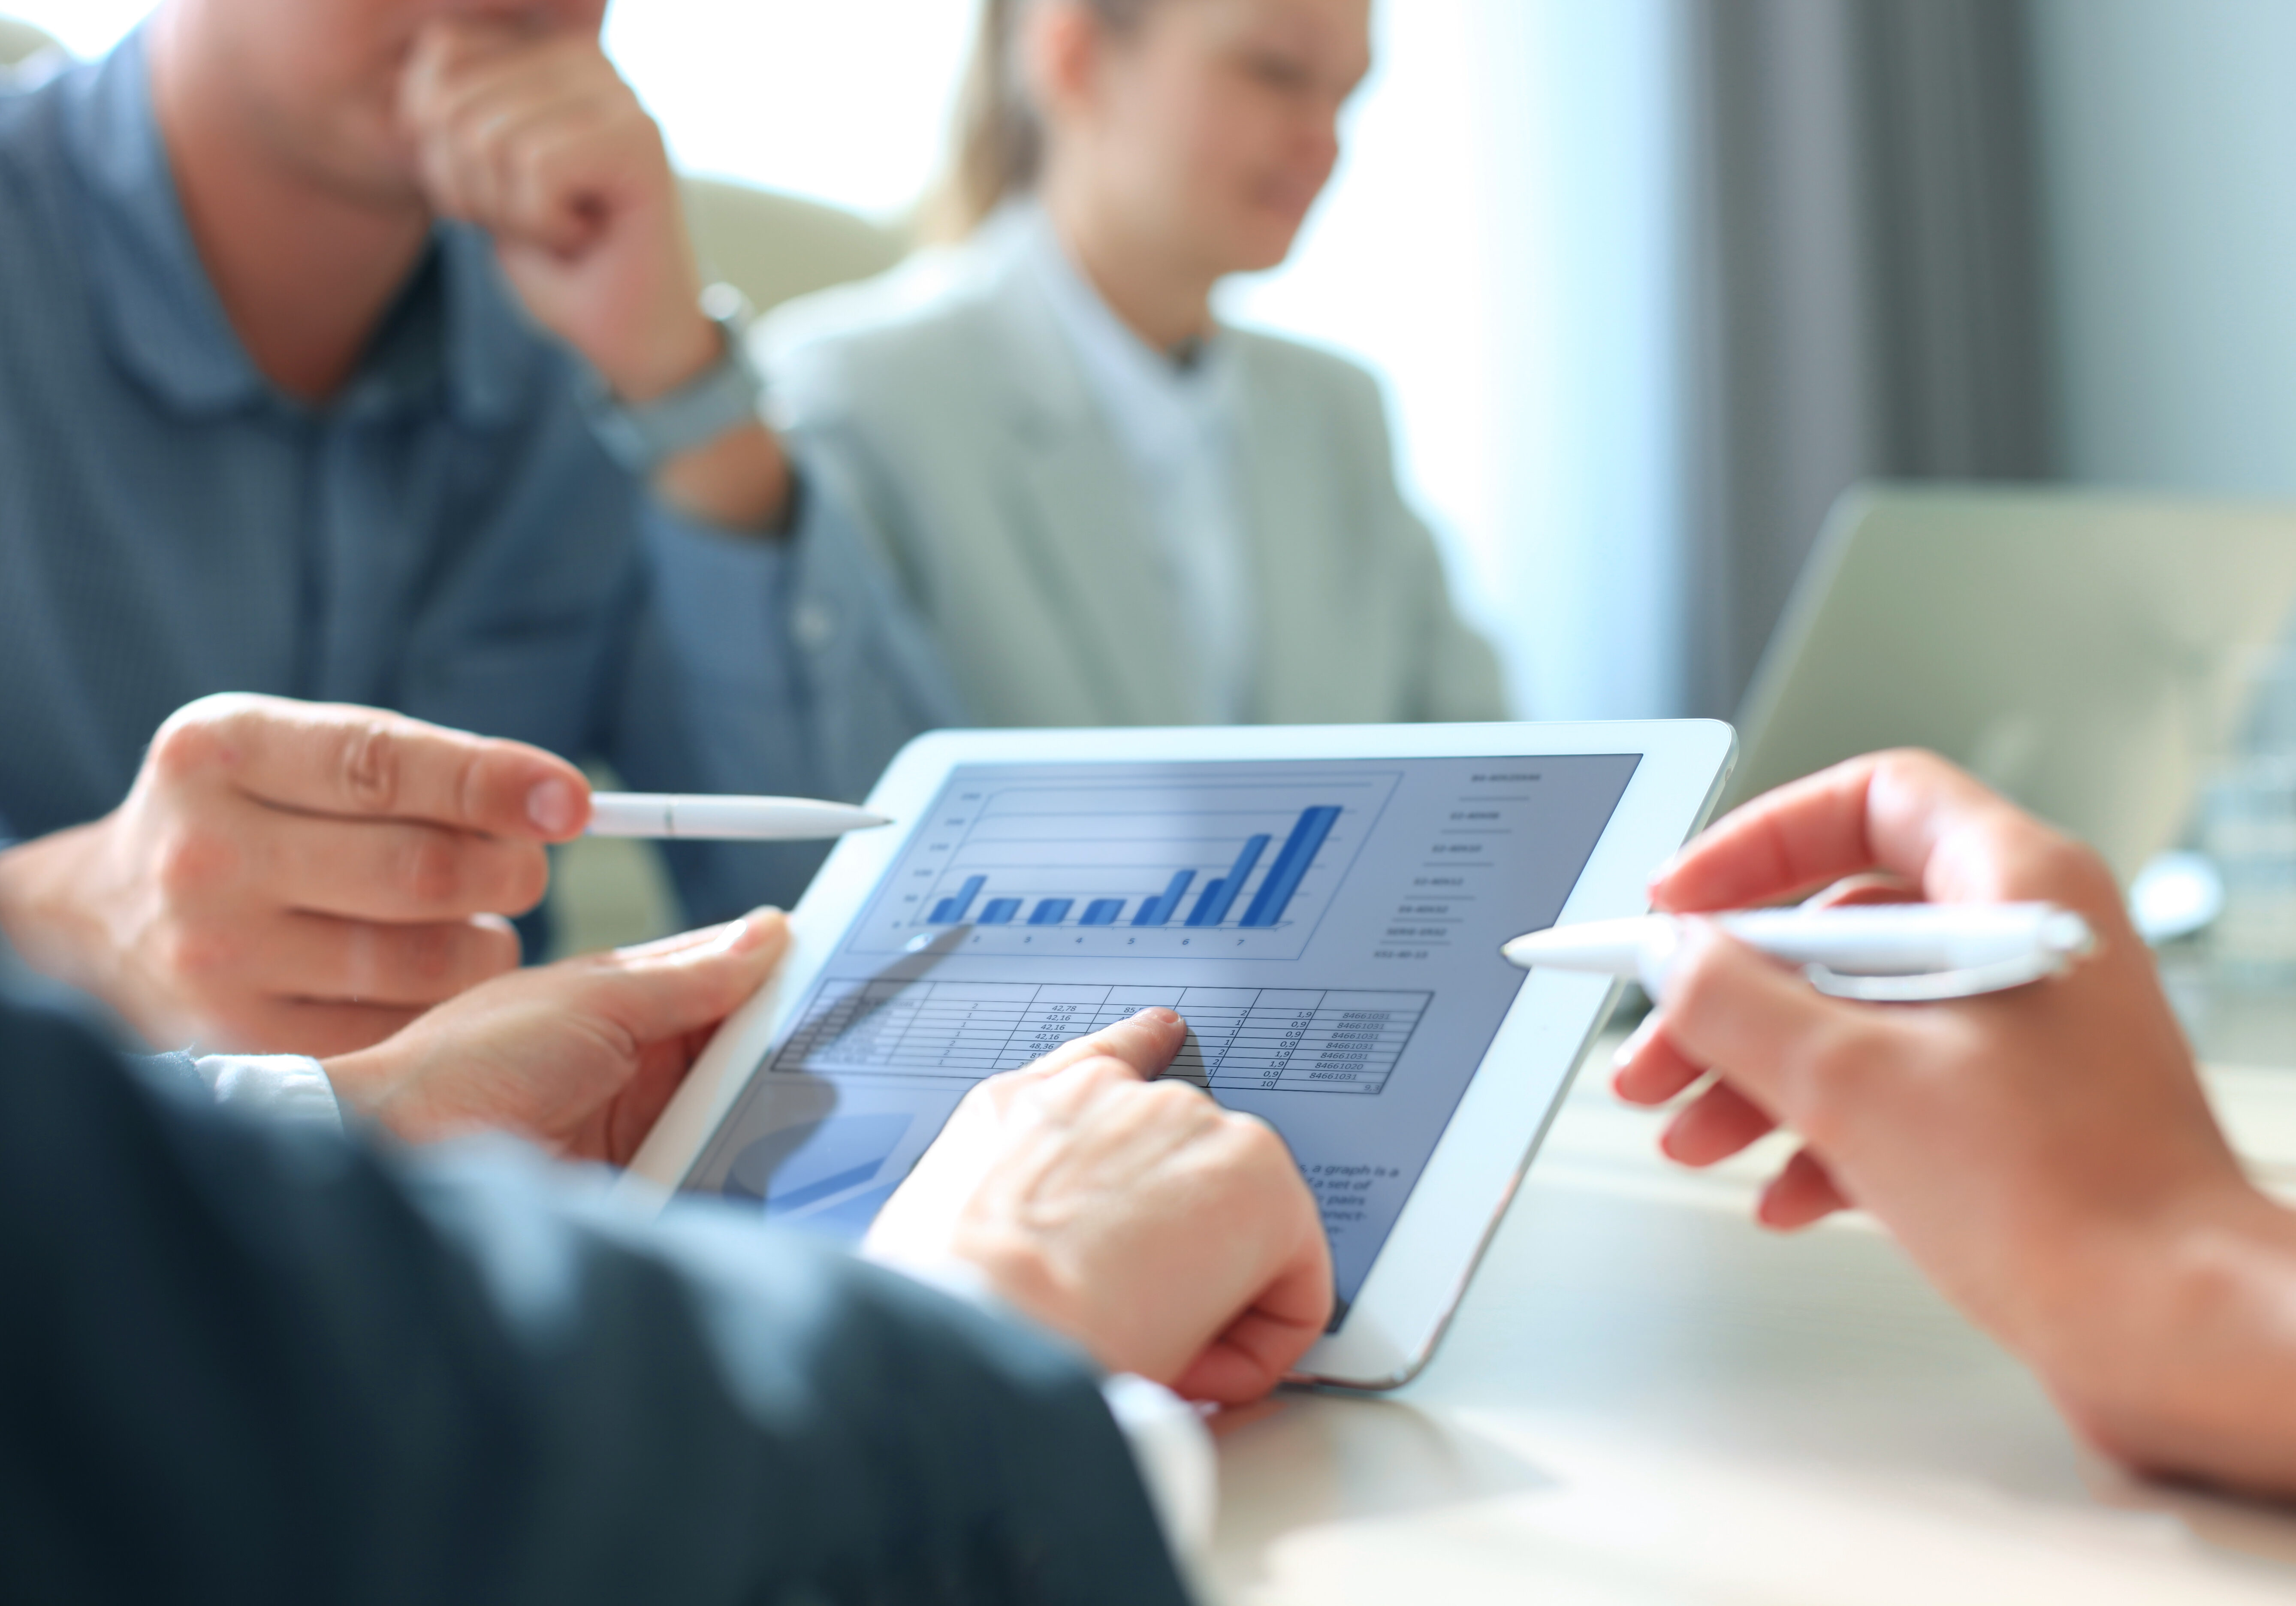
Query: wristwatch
(723, 396)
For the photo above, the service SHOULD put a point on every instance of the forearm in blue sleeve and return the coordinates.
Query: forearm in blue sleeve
(252, 1364)
(788, 666)
(806, 656)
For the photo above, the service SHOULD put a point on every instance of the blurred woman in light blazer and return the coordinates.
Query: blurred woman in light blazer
(1113, 509)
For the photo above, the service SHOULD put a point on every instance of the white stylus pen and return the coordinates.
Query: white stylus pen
(1882, 953)
(651, 813)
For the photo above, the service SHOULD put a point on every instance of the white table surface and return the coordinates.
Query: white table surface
(1644, 1398)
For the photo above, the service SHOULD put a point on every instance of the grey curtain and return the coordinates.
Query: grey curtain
(1865, 283)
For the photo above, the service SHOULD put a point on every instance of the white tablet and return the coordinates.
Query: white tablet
(1323, 905)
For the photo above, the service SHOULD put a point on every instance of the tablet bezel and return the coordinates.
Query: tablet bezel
(1421, 1270)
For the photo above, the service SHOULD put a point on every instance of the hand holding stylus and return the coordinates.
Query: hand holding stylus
(2045, 1155)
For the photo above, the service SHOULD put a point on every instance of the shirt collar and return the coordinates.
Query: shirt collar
(1160, 411)
(457, 318)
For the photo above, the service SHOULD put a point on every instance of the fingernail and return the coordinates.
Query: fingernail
(553, 807)
(1159, 1014)
(1635, 1038)
(756, 922)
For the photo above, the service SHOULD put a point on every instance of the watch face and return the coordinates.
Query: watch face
(727, 307)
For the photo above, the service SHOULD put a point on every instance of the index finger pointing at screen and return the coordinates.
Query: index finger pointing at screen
(331, 758)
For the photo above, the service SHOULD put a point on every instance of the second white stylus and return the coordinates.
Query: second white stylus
(1879, 951)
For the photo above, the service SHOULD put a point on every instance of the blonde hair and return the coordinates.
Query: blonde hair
(997, 144)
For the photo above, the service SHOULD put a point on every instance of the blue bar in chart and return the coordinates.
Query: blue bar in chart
(1158, 910)
(1299, 852)
(951, 911)
(1213, 907)
(1216, 905)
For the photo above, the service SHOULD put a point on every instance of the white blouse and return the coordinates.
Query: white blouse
(1178, 427)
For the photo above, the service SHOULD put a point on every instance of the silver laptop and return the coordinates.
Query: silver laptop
(2087, 653)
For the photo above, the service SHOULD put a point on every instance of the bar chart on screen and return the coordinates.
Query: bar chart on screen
(1139, 865)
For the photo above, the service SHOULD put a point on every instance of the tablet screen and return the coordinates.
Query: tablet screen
(1329, 931)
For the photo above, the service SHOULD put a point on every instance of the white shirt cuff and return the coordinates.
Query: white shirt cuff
(1171, 1445)
(1173, 1450)
(286, 1087)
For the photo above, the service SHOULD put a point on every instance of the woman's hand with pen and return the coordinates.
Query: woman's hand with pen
(2046, 1155)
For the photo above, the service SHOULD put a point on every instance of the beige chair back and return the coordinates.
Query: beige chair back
(20, 42)
(774, 247)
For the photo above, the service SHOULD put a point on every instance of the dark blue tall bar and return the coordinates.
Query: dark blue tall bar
(1050, 911)
(1103, 911)
(999, 911)
(1220, 896)
(1283, 876)
(1158, 910)
(950, 911)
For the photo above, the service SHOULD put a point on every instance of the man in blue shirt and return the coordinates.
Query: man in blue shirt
(315, 316)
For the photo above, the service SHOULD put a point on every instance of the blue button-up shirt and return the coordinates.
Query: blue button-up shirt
(445, 537)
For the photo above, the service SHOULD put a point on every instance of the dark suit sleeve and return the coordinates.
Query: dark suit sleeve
(255, 1364)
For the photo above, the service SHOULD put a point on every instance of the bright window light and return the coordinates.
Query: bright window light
(1498, 246)
(85, 28)
(842, 101)
(845, 102)
(1396, 269)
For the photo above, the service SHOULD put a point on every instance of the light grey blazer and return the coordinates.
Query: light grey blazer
(945, 402)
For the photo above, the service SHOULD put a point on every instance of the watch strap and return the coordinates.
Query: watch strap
(722, 398)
